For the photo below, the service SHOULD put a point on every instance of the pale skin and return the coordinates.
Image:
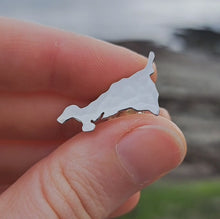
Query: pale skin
(59, 171)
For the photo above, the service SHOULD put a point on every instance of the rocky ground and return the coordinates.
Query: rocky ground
(189, 87)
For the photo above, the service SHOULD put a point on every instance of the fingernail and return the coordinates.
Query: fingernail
(149, 151)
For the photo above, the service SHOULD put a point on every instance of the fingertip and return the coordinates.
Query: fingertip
(164, 113)
(133, 121)
(128, 206)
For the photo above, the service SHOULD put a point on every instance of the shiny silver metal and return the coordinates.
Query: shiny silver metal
(137, 92)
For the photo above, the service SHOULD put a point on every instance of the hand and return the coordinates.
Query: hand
(76, 175)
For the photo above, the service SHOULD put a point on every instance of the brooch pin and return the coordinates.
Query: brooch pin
(138, 92)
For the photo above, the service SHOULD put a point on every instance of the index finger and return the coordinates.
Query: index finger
(36, 58)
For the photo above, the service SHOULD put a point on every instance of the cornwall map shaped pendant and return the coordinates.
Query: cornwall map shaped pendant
(138, 92)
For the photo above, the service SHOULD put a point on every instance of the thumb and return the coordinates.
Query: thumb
(94, 173)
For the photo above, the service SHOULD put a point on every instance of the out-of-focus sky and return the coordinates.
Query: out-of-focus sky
(118, 19)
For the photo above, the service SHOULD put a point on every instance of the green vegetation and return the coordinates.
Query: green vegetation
(191, 200)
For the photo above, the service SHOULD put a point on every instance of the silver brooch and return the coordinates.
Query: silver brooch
(138, 92)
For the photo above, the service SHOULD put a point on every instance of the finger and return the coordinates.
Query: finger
(94, 173)
(3, 187)
(164, 113)
(37, 58)
(18, 156)
(34, 117)
(128, 206)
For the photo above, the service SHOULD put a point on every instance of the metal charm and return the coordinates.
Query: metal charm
(137, 92)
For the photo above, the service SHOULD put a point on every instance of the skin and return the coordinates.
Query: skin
(49, 165)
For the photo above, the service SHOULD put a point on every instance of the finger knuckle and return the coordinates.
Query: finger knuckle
(72, 193)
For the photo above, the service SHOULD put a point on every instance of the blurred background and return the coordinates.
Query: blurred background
(185, 35)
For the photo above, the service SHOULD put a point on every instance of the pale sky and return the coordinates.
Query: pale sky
(118, 19)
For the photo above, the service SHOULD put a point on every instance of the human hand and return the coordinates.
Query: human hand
(76, 175)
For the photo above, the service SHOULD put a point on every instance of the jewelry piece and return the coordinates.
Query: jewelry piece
(138, 92)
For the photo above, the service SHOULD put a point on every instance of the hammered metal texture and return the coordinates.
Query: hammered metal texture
(137, 92)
